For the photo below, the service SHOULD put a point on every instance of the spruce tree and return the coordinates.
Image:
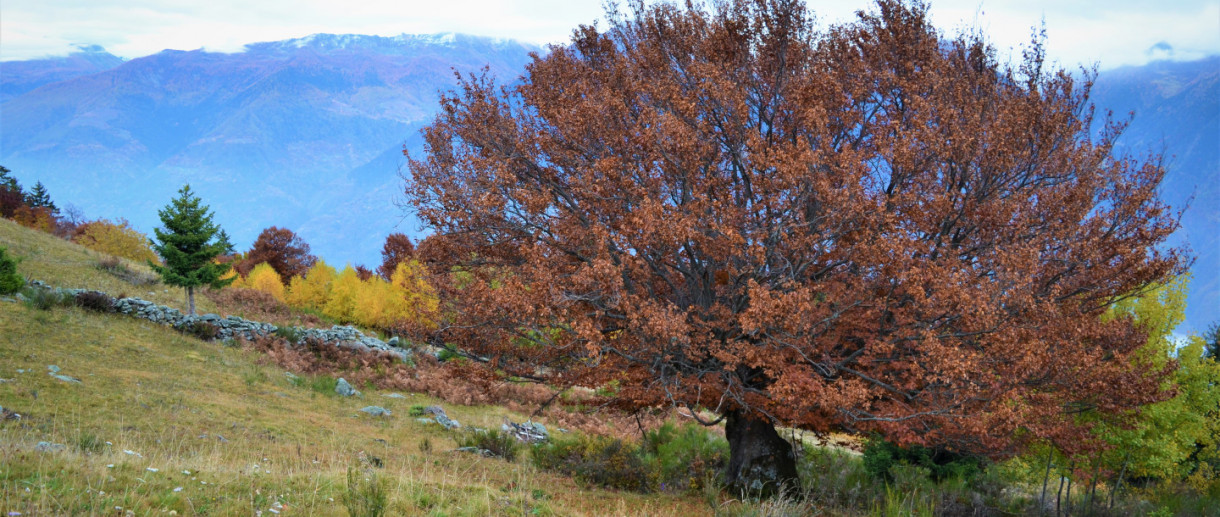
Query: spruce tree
(39, 198)
(226, 245)
(186, 244)
(7, 181)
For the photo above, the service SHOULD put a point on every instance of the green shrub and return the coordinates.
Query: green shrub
(836, 478)
(881, 456)
(10, 281)
(45, 299)
(290, 334)
(447, 353)
(324, 384)
(687, 457)
(496, 443)
(597, 460)
(365, 496)
(416, 410)
(201, 329)
(89, 443)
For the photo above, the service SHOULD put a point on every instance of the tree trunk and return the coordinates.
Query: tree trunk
(190, 301)
(1050, 455)
(760, 462)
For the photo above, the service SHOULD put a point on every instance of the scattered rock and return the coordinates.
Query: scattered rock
(66, 378)
(8, 414)
(528, 432)
(49, 447)
(376, 411)
(395, 395)
(476, 450)
(441, 417)
(447, 423)
(344, 389)
(53, 369)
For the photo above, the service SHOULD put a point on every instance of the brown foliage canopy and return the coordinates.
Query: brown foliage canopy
(874, 226)
(283, 250)
(397, 249)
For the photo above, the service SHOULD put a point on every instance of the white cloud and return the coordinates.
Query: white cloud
(1112, 32)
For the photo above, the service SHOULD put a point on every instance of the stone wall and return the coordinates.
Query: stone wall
(235, 327)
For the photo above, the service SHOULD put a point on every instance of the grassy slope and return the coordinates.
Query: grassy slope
(150, 390)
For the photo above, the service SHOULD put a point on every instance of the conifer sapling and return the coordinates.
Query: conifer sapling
(186, 244)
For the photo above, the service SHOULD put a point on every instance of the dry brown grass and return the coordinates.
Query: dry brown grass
(461, 383)
(256, 305)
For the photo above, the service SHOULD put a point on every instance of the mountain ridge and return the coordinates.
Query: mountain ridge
(308, 133)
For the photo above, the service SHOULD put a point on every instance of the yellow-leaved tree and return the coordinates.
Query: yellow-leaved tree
(419, 300)
(313, 290)
(264, 278)
(344, 293)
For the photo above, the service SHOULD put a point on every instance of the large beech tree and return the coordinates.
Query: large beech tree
(871, 227)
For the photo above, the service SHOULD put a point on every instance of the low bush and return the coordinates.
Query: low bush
(596, 460)
(288, 333)
(835, 478)
(881, 456)
(365, 496)
(115, 266)
(324, 384)
(45, 299)
(201, 329)
(95, 301)
(10, 280)
(496, 443)
(687, 457)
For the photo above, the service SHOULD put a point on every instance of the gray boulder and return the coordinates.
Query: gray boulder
(49, 447)
(376, 411)
(344, 389)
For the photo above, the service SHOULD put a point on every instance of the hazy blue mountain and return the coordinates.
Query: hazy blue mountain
(1176, 108)
(305, 133)
(308, 134)
(18, 77)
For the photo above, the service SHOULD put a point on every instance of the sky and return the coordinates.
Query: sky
(1109, 33)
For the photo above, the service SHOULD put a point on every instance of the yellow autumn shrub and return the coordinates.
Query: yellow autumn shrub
(264, 278)
(116, 238)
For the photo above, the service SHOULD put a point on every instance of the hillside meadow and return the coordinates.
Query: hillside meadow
(162, 422)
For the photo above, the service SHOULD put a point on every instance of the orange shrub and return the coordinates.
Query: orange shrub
(39, 218)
